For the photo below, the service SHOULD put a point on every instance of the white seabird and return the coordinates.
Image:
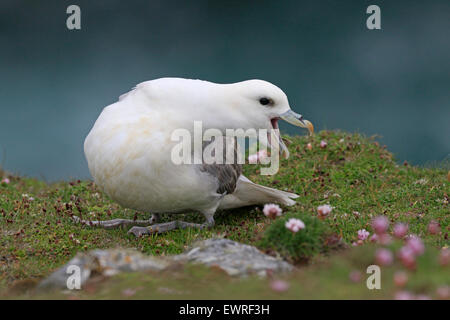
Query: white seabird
(128, 150)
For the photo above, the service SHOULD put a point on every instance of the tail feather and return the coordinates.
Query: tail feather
(248, 193)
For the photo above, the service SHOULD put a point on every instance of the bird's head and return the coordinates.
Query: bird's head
(259, 104)
(251, 104)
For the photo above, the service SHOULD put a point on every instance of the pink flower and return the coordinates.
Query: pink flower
(272, 210)
(5, 181)
(262, 153)
(444, 257)
(295, 225)
(254, 158)
(279, 285)
(363, 234)
(443, 292)
(403, 295)
(416, 245)
(384, 257)
(400, 230)
(374, 238)
(324, 210)
(400, 278)
(323, 144)
(309, 146)
(407, 257)
(380, 224)
(433, 227)
(355, 276)
(384, 239)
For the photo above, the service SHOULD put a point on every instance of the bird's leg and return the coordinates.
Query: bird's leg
(164, 227)
(116, 223)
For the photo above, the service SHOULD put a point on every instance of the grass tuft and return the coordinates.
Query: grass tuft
(299, 246)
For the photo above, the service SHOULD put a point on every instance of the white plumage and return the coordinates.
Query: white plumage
(129, 147)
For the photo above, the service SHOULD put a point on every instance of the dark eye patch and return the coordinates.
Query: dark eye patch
(265, 101)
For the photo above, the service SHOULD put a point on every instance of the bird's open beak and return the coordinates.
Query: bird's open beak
(297, 120)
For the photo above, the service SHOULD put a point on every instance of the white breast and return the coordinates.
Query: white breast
(128, 152)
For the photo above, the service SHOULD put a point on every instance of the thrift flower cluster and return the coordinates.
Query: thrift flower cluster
(412, 248)
(260, 155)
(295, 225)
(5, 181)
(324, 210)
(272, 210)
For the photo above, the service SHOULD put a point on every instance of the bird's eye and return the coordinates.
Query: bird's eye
(264, 101)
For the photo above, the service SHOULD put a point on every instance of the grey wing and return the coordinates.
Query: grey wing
(227, 175)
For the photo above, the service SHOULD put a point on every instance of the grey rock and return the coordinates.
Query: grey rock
(103, 262)
(236, 259)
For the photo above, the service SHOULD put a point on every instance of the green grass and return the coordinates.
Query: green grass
(352, 174)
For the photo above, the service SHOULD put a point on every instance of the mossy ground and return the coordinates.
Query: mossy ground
(354, 174)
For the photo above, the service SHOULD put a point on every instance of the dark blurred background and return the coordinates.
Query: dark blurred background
(394, 82)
